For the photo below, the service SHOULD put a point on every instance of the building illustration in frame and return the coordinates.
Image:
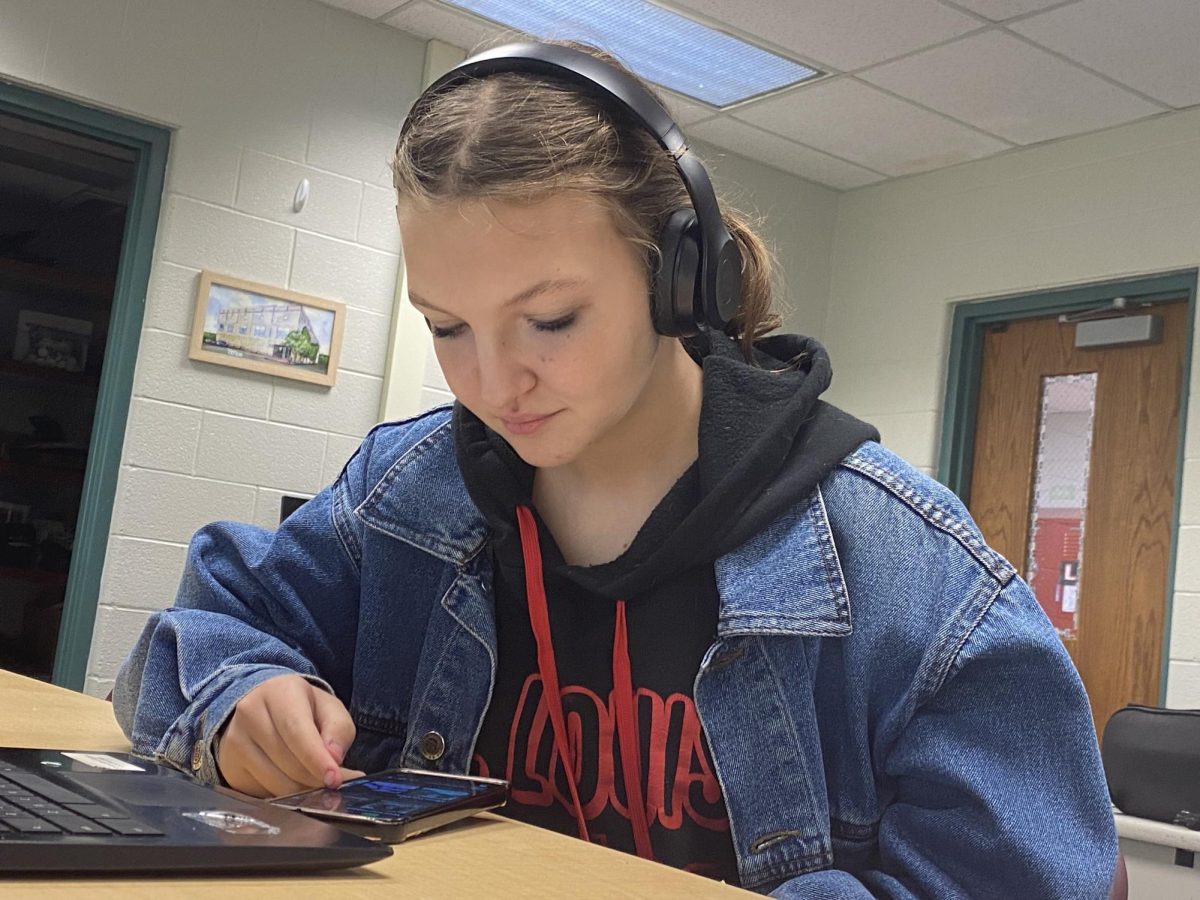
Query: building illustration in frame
(266, 329)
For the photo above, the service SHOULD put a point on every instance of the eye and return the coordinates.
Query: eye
(559, 324)
(440, 333)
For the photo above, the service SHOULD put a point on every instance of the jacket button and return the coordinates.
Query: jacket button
(433, 745)
(197, 756)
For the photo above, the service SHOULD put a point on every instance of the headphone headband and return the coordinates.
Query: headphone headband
(720, 261)
(580, 68)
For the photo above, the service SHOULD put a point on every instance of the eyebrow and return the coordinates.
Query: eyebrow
(536, 290)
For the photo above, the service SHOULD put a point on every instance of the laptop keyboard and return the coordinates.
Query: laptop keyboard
(30, 804)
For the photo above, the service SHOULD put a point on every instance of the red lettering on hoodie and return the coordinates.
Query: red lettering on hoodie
(679, 776)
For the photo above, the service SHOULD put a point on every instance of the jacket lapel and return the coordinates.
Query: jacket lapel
(754, 692)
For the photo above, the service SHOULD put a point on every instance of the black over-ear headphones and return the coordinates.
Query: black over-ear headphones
(699, 281)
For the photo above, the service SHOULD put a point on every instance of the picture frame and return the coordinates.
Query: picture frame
(261, 328)
(53, 341)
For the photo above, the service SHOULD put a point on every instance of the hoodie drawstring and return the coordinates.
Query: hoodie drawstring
(625, 703)
(624, 698)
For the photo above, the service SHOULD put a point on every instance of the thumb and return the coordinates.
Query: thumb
(333, 722)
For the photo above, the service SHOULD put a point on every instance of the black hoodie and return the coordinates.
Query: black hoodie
(623, 641)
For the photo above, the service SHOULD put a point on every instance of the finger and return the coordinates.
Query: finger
(333, 721)
(291, 716)
(245, 783)
(273, 780)
(279, 747)
(335, 783)
(232, 759)
(277, 750)
(255, 722)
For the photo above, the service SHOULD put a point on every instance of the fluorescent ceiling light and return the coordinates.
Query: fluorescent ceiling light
(659, 45)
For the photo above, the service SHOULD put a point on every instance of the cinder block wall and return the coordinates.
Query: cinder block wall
(259, 94)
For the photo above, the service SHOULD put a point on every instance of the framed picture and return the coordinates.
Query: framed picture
(54, 341)
(266, 329)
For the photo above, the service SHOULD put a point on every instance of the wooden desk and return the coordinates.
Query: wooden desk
(486, 857)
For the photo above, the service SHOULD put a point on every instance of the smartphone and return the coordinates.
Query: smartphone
(397, 804)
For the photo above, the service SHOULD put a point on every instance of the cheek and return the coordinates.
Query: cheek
(573, 370)
(458, 367)
(606, 373)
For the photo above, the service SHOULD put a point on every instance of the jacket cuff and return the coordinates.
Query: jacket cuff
(190, 743)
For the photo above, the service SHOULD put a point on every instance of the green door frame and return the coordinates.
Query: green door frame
(970, 323)
(151, 144)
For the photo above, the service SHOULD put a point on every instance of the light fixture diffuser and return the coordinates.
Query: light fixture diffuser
(661, 46)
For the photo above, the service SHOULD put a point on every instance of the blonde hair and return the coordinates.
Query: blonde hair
(520, 137)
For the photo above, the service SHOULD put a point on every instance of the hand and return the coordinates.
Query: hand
(286, 735)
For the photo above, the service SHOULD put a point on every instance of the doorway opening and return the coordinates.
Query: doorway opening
(80, 191)
(63, 202)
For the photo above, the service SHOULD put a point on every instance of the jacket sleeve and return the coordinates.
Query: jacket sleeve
(252, 604)
(996, 784)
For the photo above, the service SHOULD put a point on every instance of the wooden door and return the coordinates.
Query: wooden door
(1100, 560)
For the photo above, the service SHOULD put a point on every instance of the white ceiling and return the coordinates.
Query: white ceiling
(915, 85)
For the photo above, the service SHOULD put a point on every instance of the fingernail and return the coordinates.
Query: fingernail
(331, 778)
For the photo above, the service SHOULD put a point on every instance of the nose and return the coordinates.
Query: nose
(503, 376)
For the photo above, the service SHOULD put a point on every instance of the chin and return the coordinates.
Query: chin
(539, 453)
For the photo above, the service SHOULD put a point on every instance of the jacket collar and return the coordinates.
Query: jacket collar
(423, 501)
(786, 579)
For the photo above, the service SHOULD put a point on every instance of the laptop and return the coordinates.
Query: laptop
(63, 811)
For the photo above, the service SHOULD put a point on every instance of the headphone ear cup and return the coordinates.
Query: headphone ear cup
(676, 282)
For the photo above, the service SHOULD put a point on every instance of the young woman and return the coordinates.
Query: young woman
(687, 608)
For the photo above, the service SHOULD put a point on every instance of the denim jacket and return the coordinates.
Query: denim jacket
(888, 710)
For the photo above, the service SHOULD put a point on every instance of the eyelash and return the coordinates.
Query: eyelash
(443, 333)
(560, 324)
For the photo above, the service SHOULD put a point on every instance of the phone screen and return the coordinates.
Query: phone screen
(398, 795)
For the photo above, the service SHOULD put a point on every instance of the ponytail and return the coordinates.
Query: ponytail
(754, 317)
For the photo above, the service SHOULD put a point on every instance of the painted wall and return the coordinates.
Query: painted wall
(1115, 204)
(259, 94)
(798, 219)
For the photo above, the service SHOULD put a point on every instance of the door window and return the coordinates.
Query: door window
(1059, 508)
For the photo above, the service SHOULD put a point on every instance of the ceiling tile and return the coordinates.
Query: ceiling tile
(861, 124)
(1151, 45)
(843, 34)
(1004, 85)
(1000, 10)
(372, 9)
(754, 143)
(432, 20)
(685, 110)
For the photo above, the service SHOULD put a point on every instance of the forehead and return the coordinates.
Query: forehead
(496, 220)
(496, 248)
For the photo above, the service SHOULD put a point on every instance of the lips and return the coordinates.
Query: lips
(525, 424)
